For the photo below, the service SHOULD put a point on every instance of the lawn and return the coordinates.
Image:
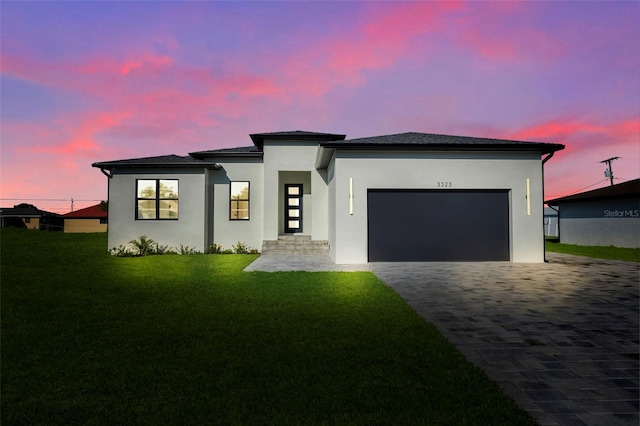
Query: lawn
(88, 338)
(600, 252)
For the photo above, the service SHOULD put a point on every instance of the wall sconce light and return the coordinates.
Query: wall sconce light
(528, 197)
(351, 196)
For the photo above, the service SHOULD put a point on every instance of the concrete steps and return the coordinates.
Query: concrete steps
(295, 245)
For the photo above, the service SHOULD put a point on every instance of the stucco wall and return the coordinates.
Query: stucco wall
(189, 229)
(226, 232)
(413, 170)
(84, 225)
(285, 157)
(601, 223)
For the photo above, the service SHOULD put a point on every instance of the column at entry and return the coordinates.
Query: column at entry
(293, 208)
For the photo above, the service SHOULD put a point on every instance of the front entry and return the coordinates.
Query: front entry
(292, 208)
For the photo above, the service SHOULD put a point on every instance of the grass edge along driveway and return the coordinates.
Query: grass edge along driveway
(92, 339)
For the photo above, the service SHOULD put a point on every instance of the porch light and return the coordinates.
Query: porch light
(528, 197)
(351, 196)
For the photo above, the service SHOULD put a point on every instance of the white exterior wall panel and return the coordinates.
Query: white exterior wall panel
(280, 159)
(187, 230)
(414, 170)
(227, 232)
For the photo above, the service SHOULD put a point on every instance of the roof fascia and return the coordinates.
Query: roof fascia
(530, 147)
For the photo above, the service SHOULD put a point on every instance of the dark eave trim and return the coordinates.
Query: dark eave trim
(259, 138)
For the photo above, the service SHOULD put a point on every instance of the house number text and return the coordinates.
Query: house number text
(445, 184)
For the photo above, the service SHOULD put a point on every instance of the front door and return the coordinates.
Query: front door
(292, 208)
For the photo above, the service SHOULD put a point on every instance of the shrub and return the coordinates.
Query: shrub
(240, 248)
(215, 249)
(123, 251)
(187, 250)
(145, 246)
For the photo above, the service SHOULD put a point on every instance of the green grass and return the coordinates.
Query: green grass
(92, 339)
(600, 252)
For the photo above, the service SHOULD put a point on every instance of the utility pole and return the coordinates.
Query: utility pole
(609, 172)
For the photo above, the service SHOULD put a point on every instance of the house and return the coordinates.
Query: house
(401, 197)
(30, 217)
(608, 216)
(550, 222)
(89, 219)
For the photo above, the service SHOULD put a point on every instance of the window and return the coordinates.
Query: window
(103, 220)
(157, 199)
(27, 220)
(239, 201)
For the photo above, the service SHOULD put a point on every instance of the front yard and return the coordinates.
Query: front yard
(88, 338)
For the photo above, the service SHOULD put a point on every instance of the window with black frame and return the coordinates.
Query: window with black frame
(239, 200)
(157, 199)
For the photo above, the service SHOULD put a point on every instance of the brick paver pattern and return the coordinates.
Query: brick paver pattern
(560, 338)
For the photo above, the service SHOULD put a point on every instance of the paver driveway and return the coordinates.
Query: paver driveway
(561, 338)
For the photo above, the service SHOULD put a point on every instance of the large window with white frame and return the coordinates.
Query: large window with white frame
(239, 200)
(157, 199)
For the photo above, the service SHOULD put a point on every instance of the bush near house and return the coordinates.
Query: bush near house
(90, 338)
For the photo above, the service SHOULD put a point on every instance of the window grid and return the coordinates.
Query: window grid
(157, 199)
(239, 200)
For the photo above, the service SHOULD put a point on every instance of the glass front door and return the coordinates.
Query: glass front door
(292, 208)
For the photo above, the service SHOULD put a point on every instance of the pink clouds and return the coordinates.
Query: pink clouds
(175, 78)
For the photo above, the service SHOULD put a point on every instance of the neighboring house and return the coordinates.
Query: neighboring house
(89, 219)
(30, 217)
(403, 197)
(607, 216)
(550, 222)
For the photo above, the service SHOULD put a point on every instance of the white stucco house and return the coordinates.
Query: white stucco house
(401, 197)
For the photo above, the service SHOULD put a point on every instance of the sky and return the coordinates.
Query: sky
(82, 82)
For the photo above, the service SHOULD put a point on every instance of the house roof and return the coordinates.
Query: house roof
(163, 160)
(88, 213)
(430, 141)
(24, 212)
(621, 190)
(244, 151)
(437, 141)
(259, 138)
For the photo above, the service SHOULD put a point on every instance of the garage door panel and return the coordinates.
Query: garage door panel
(441, 225)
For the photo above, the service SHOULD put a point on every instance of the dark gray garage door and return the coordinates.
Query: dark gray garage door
(438, 225)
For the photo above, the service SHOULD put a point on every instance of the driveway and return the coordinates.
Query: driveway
(561, 338)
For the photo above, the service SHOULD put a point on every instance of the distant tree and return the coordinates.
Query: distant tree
(104, 206)
(25, 206)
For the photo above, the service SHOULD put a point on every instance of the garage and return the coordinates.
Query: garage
(438, 225)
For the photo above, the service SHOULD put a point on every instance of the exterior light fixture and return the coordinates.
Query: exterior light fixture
(528, 197)
(351, 196)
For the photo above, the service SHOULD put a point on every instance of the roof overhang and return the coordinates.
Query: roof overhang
(326, 151)
(297, 135)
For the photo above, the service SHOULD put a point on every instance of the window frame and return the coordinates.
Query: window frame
(157, 200)
(232, 200)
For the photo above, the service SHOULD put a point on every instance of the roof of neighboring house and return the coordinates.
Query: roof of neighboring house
(621, 190)
(436, 141)
(259, 138)
(93, 212)
(163, 160)
(24, 212)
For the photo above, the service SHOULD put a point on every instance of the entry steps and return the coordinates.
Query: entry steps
(295, 245)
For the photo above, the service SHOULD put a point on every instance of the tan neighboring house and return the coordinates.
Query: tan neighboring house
(90, 219)
(30, 217)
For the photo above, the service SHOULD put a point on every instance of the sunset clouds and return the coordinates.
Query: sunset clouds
(87, 82)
